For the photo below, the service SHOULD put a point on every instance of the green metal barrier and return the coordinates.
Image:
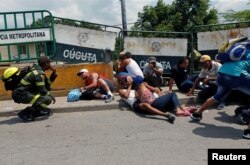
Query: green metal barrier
(26, 35)
(223, 26)
(90, 25)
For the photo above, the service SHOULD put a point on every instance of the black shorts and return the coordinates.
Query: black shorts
(136, 106)
(110, 85)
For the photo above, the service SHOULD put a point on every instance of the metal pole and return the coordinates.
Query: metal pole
(124, 19)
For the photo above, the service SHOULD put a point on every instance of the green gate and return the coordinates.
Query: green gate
(26, 35)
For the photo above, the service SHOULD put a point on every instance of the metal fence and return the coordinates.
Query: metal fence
(25, 35)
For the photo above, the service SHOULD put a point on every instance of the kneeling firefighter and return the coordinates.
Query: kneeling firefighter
(31, 86)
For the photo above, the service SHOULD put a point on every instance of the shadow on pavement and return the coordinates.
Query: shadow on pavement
(123, 106)
(224, 117)
(220, 132)
(17, 120)
(11, 121)
(150, 116)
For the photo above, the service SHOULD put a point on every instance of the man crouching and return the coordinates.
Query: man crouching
(33, 88)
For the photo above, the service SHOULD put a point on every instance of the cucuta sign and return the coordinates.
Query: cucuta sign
(76, 54)
(82, 45)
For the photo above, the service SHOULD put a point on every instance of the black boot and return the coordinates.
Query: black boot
(42, 113)
(26, 114)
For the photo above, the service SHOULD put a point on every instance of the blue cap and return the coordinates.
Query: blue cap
(136, 79)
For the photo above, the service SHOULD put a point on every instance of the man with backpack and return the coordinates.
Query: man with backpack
(32, 88)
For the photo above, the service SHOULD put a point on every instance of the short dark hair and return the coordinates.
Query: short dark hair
(182, 60)
(128, 55)
(42, 60)
(123, 55)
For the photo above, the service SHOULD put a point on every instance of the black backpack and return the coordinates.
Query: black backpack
(87, 95)
(12, 82)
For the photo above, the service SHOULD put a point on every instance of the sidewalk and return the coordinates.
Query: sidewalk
(10, 108)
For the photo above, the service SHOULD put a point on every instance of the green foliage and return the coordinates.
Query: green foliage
(180, 16)
(153, 18)
(211, 17)
(83, 24)
(37, 23)
(118, 48)
(231, 15)
(90, 25)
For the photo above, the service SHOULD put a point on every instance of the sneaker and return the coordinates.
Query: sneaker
(239, 115)
(108, 98)
(196, 116)
(170, 117)
(246, 134)
(238, 110)
(220, 106)
(241, 119)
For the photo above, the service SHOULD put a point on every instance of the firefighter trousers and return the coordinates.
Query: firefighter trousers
(39, 102)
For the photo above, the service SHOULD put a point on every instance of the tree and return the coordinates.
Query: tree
(154, 18)
(180, 16)
(233, 16)
(83, 24)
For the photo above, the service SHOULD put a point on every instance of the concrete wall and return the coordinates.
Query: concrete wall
(156, 46)
(168, 51)
(212, 40)
(67, 78)
(85, 37)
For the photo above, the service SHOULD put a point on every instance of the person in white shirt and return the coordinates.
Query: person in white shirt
(207, 76)
(128, 65)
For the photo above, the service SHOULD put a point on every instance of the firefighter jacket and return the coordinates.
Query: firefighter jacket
(36, 81)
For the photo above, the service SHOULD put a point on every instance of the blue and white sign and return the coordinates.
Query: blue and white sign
(168, 51)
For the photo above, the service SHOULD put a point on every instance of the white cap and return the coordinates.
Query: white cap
(82, 71)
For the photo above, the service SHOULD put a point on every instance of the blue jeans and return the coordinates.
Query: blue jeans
(166, 102)
(188, 83)
(227, 83)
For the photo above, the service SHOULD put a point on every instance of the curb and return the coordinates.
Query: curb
(66, 110)
(84, 106)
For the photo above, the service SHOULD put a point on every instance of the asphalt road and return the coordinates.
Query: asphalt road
(116, 137)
